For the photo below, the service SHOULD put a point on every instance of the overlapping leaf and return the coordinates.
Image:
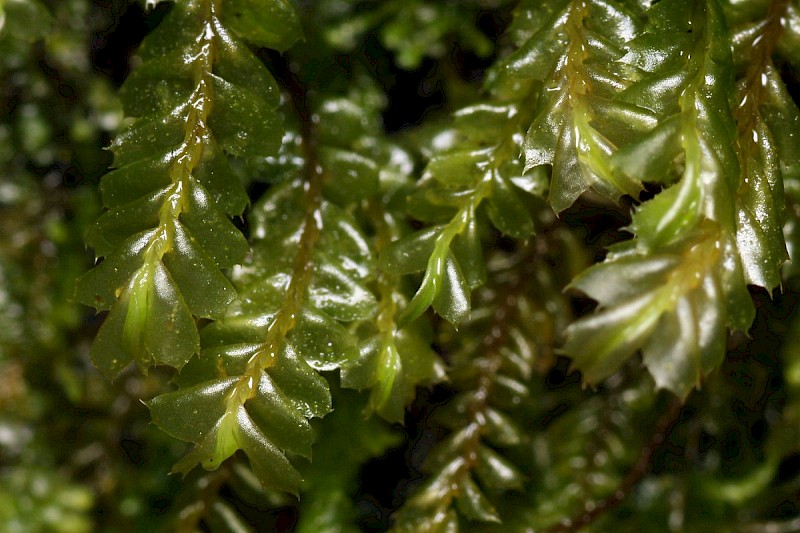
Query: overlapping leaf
(359, 168)
(728, 175)
(768, 125)
(578, 123)
(699, 126)
(392, 362)
(477, 166)
(352, 153)
(199, 94)
(257, 381)
(674, 305)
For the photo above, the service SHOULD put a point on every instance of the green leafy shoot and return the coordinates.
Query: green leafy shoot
(469, 470)
(257, 380)
(575, 56)
(199, 94)
(477, 165)
(727, 196)
(674, 305)
(700, 126)
(392, 362)
(768, 123)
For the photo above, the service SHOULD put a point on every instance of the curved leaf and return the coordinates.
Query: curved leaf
(676, 312)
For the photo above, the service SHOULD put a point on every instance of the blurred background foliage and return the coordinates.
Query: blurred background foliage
(78, 454)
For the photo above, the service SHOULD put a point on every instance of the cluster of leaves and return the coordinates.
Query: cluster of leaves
(286, 276)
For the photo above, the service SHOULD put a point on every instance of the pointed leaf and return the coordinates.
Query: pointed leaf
(507, 212)
(452, 301)
(495, 471)
(474, 505)
(150, 324)
(410, 253)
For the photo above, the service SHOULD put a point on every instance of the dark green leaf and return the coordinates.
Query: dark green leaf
(272, 24)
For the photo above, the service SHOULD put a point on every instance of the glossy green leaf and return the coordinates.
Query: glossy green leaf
(456, 169)
(323, 342)
(546, 38)
(443, 286)
(147, 138)
(410, 253)
(350, 177)
(393, 366)
(507, 212)
(652, 155)
(191, 267)
(759, 231)
(150, 324)
(477, 126)
(452, 300)
(468, 252)
(675, 306)
(214, 232)
(335, 293)
(344, 121)
(344, 241)
(114, 226)
(244, 122)
(273, 24)
(123, 185)
(166, 38)
(159, 85)
(101, 286)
